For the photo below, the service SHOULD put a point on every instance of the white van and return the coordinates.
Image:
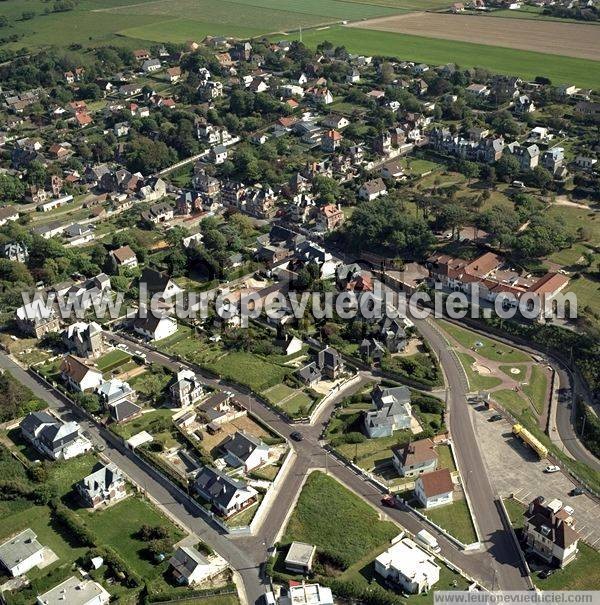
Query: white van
(425, 538)
(269, 598)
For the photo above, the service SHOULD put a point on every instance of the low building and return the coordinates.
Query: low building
(21, 553)
(409, 567)
(307, 594)
(74, 591)
(104, 485)
(299, 558)
(435, 488)
(415, 458)
(227, 495)
(548, 532)
(373, 189)
(189, 567)
(246, 451)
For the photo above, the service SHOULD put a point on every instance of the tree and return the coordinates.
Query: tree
(386, 72)
(507, 167)
(539, 177)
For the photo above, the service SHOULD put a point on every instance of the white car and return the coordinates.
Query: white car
(569, 510)
(552, 469)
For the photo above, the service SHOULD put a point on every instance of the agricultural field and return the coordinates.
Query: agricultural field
(546, 37)
(193, 19)
(511, 61)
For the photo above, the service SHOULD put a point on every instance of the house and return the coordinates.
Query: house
(187, 390)
(392, 170)
(391, 411)
(330, 363)
(299, 558)
(83, 339)
(218, 154)
(37, 319)
(393, 335)
(8, 213)
(309, 374)
(21, 553)
(104, 485)
(158, 284)
(528, 157)
(16, 251)
(188, 566)
(74, 591)
(322, 96)
(478, 90)
(155, 326)
(548, 533)
(415, 458)
(435, 488)
(159, 213)
(330, 217)
(174, 74)
(409, 567)
(78, 375)
(124, 257)
(245, 451)
(114, 391)
(585, 162)
(335, 122)
(50, 436)
(227, 495)
(124, 410)
(141, 54)
(371, 190)
(307, 594)
(331, 140)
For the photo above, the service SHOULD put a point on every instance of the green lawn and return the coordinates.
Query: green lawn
(112, 360)
(581, 574)
(515, 511)
(278, 392)
(337, 521)
(118, 525)
(373, 453)
(517, 377)
(525, 64)
(537, 389)
(445, 458)
(491, 349)
(150, 421)
(477, 381)
(455, 519)
(512, 401)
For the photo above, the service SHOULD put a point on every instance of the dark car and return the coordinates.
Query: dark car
(546, 573)
(494, 418)
(576, 491)
(296, 436)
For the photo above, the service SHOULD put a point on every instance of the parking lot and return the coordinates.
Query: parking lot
(515, 469)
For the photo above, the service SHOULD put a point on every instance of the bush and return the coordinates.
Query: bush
(75, 525)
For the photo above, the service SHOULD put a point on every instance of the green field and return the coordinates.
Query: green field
(477, 382)
(490, 349)
(193, 19)
(455, 518)
(536, 390)
(337, 521)
(516, 62)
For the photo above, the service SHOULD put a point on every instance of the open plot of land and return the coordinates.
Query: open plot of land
(510, 61)
(336, 521)
(547, 37)
(456, 519)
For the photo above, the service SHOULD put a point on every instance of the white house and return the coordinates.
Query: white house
(246, 451)
(78, 375)
(408, 566)
(74, 591)
(155, 327)
(189, 567)
(371, 190)
(21, 553)
(226, 494)
(187, 390)
(434, 489)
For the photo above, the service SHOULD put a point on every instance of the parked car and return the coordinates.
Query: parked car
(546, 573)
(576, 491)
(389, 500)
(552, 468)
(296, 436)
(569, 510)
(494, 418)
